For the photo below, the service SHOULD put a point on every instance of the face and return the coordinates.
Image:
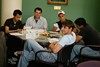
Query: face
(62, 17)
(37, 14)
(17, 17)
(65, 30)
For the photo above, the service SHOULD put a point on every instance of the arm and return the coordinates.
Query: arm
(78, 38)
(75, 31)
(45, 24)
(55, 47)
(54, 29)
(11, 31)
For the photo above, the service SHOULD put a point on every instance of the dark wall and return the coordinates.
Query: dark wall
(0, 12)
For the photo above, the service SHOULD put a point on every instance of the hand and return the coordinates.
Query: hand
(18, 30)
(54, 43)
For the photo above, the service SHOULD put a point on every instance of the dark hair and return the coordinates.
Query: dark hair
(17, 12)
(69, 24)
(38, 8)
(80, 21)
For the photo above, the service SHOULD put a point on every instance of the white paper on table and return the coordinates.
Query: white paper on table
(16, 34)
(53, 40)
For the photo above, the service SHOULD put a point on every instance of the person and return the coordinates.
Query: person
(58, 25)
(31, 47)
(37, 21)
(14, 24)
(90, 37)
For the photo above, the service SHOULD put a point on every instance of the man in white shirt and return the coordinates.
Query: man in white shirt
(37, 21)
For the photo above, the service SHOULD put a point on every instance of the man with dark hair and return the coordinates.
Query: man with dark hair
(31, 47)
(37, 21)
(90, 37)
(14, 24)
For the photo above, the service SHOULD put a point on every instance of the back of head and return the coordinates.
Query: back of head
(80, 21)
(69, 24)
(17, 12)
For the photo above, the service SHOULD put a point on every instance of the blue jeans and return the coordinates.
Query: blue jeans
(30, 48)
(85, 51)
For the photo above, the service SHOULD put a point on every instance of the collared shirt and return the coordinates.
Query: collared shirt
(40, 24)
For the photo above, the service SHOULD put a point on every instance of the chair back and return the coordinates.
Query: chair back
(89, 64)
(64, 53)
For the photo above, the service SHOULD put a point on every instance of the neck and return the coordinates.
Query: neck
(36, 18)
(14, 21)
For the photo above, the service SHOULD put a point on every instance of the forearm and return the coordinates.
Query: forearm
(11, 31)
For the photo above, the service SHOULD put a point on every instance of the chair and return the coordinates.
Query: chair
(2, 28)
(14, 43)
(3, 49)
(83, 57)
(89, 64)
(62, 60)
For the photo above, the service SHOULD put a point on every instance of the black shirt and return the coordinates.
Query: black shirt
(90, 36)
(12, 26)
(60, 24)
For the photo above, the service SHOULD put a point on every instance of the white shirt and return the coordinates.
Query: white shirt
(40, 24)
(67, 39)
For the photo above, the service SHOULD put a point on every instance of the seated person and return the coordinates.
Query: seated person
(31, 47)
(37, 21)
(90, 37)
(58, 25)
(14, 24)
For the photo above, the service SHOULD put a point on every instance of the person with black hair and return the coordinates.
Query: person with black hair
(14, 24)
(37, 21)
(90, 37)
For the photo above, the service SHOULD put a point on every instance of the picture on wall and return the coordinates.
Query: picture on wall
(60, 2)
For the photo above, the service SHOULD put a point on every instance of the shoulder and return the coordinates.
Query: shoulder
(10, 19)
(58, 22)
(30, 18)
(42, 18)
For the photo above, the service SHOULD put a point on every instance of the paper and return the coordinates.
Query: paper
(16, 34)
(53, 40)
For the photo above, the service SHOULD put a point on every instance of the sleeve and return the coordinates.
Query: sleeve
(63, 41)
(82, 33)
(6, 23)
(45, 24)
(27, 22)
(56, 25)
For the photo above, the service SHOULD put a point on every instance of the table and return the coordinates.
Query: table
(42, 40)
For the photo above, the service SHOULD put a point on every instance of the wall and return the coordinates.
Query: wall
(0, 12)
(89, 9)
